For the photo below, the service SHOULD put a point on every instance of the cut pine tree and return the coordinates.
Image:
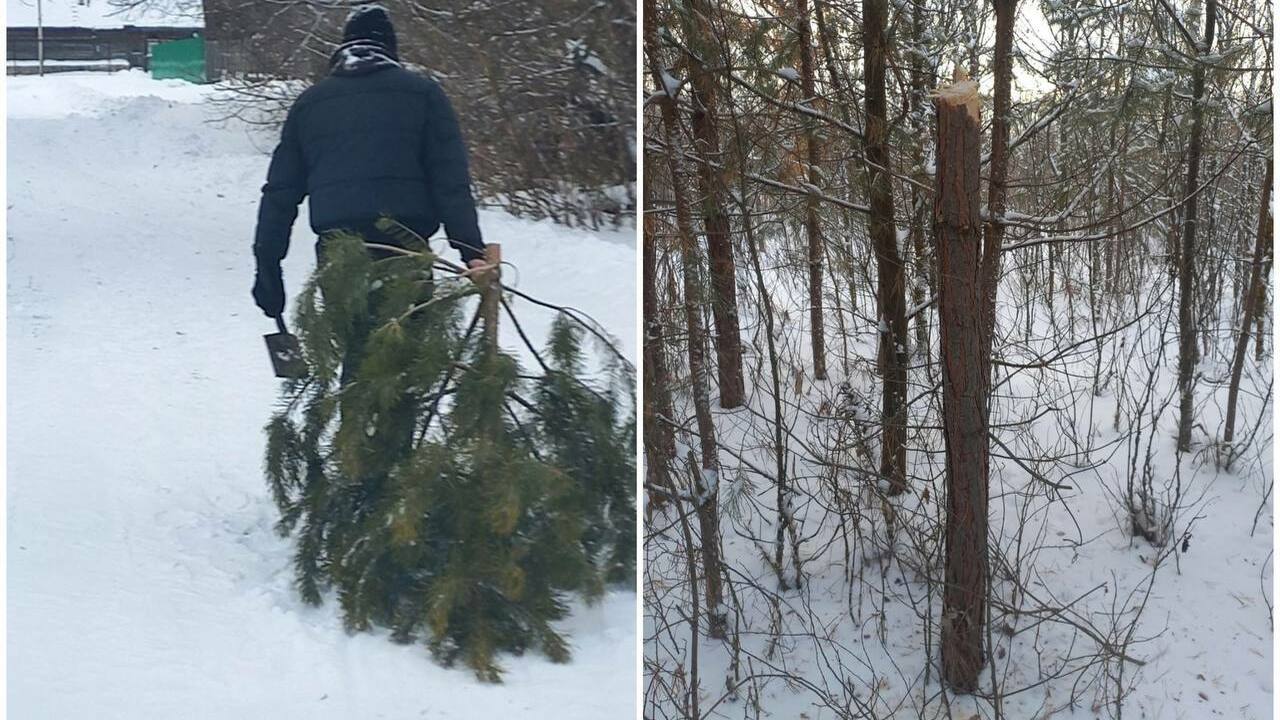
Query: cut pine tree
(965, 381)
(430, 484)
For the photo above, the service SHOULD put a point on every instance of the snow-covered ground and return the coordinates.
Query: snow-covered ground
(144, 576)
(862, 632)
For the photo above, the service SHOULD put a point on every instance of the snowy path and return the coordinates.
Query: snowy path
(145, 580)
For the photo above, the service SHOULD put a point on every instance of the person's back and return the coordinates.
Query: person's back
(371, 140)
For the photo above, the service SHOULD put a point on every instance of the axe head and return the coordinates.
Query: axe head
(286, 353)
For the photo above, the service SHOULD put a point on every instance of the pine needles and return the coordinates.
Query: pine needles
(434, 487)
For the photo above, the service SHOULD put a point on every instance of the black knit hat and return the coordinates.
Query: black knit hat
(371, 23)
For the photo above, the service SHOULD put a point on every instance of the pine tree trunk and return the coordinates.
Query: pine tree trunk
(993, 230)
(724, 293)
(923, 285)
(1209, 283)
(490, 298)
(659, 441)
(1109, 252)
(842, 110)
(1171, 236)
(1251, 297)
(1260, 343)
(490, 304)
(1187, 351)
(816, 329)
(706, 483)
(891, 289)
(965, 383)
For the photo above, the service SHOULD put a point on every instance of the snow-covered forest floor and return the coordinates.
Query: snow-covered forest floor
(144, 576)
(1193, 618)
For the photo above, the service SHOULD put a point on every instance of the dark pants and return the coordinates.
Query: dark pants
(371, 234)
(394, 427)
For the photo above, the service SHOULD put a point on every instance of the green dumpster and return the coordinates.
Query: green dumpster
(180, 59)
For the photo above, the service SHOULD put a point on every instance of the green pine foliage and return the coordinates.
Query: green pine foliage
(585, 438)
(434, 487)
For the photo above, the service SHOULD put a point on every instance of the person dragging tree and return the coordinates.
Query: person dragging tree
(434, 487)
(371, 140)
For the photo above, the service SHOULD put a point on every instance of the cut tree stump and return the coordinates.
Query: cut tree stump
(965, 380)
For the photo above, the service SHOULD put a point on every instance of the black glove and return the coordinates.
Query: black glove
(268, 290)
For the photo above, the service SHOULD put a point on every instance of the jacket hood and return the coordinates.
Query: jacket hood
(361, 57)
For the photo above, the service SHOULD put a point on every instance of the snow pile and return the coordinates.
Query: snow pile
(93, 94)
(145, 580)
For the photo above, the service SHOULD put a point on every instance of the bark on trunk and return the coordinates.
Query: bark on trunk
(705, 484)
(659, 441)
(1260, 341)
(922, 285)
(1187, 350)
(993, 231)
(724, 293)
(891, 289)
(816, 330)
(965, 383)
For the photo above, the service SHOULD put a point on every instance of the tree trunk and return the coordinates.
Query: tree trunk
(922, 285)
(965, 382)
(724, 292)
(491, 298)
(993, 230)
(1187, 350)
(1260, 342)
(706, 484)
(1251, 297)
(891, 288)
(659, 441)
(842, 110)
(816, 330)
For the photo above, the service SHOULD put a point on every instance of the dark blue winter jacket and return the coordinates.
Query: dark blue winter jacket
(373, 139)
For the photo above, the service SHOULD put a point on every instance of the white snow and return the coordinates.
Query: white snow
(144, 576)
(789, 74)
(580, 52)
(101, 14)
(93, 95)
(670, 84)
(864, 625)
